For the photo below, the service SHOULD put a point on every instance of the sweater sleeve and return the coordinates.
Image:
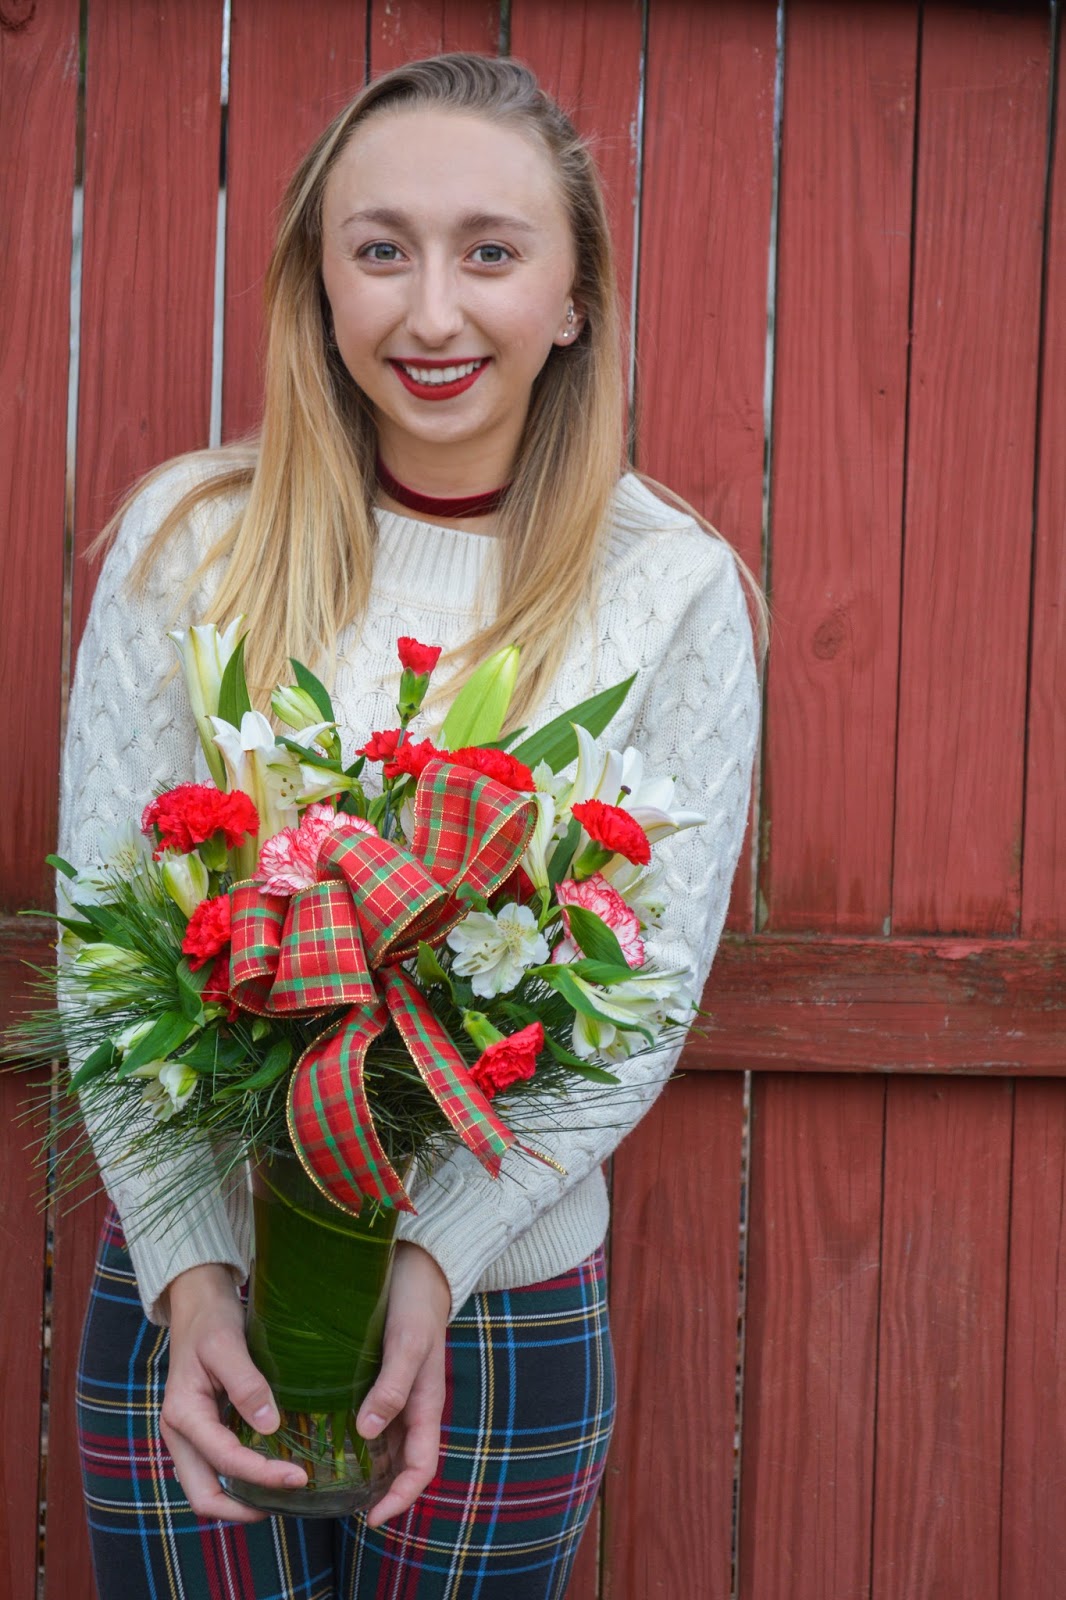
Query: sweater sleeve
(129, 735)
(696, 720)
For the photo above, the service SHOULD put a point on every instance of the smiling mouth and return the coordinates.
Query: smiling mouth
(438, 380)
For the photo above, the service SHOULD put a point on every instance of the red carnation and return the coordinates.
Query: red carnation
(191, 813)
(508, 1060)
(615, 829)
(411, 758)
(208, 932)
(417, 658)
(381, 746)
(513, 774)
(216, 989)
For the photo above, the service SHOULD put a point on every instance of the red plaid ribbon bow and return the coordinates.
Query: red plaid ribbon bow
(340, 943)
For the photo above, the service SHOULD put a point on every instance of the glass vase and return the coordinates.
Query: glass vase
(316, 1315)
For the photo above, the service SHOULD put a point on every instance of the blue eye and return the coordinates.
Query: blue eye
(381, 250)
(491, 255)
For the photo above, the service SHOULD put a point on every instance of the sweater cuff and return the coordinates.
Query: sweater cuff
(212, 1233)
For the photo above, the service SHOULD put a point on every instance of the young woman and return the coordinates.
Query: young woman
(442, 329)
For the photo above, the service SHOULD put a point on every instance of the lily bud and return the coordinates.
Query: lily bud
(204, 653)
(480, 1029)
(295, 708)
(186, 880)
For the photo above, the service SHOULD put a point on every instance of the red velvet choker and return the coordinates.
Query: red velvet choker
(471, 505)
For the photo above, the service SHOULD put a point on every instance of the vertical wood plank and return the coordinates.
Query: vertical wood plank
(22, 1230)
(405, 30)
(587, 55)
(38, 94)
(810, 1369)
(706, 203)
(151, 190)
(674, 1268)
(840, 397)
(1044, 863)
(292, 68)
(1034, 1454)
(978, 234)
(938, 1458)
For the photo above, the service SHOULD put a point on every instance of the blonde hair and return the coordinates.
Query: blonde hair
(299, 558)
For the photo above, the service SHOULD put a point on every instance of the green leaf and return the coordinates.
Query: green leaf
(563, 854)
(59, 865)
(594, 936)
(583, 1068)
(170, 1030)
(84, 930)
(313, 757)
(475, 901)
(316, 689)
(96, 1063)
(275, 1064)
(477, 713)
(190, 987)
(356, 767)
(233, 697)
(428, 967)
(556, 742)
(605, 972)
(114, 929)
(561, 979)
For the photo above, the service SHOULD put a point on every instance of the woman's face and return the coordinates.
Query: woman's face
(448, 263)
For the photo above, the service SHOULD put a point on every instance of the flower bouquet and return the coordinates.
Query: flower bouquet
(336, 981)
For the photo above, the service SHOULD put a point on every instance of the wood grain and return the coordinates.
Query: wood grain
(706, 204)
(840, 401)
(22, 1265)
(151, 189)
(879, 1005)
(1044, 859)
(938, 1460)
(982, 139)
(38, 88)
(404, 30)
(1034, 1451)
(292, 68)
(810, 1367)
(674, 1261)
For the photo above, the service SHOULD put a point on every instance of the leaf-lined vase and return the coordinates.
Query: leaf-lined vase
(316, 1316)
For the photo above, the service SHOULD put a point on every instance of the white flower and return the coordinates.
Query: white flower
(632, 1014)
(168, 1088)
(268, 773)
(617, 778)
(535, 861)
(493, 952)
(204, 654)
(186, 879)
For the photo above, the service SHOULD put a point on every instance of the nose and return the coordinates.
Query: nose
(434, 314)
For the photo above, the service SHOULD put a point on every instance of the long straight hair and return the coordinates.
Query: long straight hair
(299, 556)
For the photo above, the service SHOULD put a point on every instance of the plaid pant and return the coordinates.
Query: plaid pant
(528, 1415)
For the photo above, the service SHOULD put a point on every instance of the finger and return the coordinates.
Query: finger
(223, 1453)
(390, 1393)
(202, 1489)
(420, 1449)
(225, 1358)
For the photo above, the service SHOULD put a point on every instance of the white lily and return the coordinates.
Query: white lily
(204, 653)
(168, 1087)
(186, 879)
(617, 778)
(535, 861)
(268, 773)
(642, 1005)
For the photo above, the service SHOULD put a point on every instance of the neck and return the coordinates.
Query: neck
(448, 508)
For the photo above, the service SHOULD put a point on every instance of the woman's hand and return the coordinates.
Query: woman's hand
(209, 1357)
(407, 1400)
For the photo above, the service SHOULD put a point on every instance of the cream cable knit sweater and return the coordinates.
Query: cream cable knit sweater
(671, 609)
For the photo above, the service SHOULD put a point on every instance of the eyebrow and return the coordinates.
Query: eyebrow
(473, 222)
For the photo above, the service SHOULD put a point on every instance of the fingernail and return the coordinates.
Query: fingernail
(264, 1417)
(374, 1421)
(294, 1480)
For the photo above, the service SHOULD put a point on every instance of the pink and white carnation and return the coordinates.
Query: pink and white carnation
(288, 862)
(596, 894)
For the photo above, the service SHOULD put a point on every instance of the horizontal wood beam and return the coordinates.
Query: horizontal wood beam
(824, 1004)
(820, 1004)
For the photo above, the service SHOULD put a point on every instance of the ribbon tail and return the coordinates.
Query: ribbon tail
(444, 1072)
(330, 1122)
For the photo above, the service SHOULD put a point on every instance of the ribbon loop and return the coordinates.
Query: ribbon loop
(340, 944)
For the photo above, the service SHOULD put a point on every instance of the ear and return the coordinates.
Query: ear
(571, 325)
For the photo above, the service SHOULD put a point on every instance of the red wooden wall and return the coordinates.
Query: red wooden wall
(874, 197)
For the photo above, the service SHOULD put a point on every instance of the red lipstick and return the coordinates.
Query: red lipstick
(437, 391)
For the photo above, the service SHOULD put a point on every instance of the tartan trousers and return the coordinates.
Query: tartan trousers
(527, 1421)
